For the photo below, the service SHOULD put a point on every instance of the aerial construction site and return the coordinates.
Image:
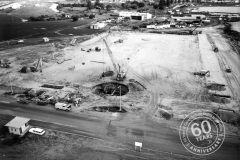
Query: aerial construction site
(128, 76)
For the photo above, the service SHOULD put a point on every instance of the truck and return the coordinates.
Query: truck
(63, 106)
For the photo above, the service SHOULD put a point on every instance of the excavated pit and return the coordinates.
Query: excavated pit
(111, 88)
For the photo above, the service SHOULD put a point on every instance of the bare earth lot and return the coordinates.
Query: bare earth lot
(163, 63)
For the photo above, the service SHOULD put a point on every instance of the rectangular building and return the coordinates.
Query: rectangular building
(18, 126)
(135, 15)
(98, 25)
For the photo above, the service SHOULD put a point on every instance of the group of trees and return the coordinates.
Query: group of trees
(128, 5)
(76, 17)
(43, 18)
(166, 3)
(133, 5)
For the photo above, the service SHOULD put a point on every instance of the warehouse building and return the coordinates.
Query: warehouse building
(135, 15)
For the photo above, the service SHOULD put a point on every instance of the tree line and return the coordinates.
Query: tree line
(127, 5)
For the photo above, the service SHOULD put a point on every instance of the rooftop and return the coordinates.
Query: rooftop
(17, 122)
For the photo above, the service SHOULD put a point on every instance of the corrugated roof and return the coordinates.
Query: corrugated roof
(17, 122)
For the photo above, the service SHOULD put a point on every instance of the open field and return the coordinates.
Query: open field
(165, 69)
(221, 9)
(31, 29)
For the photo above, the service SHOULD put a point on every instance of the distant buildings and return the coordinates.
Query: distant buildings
(118, 1)
(191, 17)
(220, 1)
(105, 1)
(135, 15)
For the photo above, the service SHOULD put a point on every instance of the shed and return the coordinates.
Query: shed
(45, 39)
(18, 126)
(98, 25)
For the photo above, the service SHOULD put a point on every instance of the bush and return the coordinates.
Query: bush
(74, 18)
(92, 16)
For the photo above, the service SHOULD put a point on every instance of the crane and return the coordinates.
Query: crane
(191, 32)
(121, 75)
(39, 64)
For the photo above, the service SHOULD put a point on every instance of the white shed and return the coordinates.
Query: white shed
(45, 39)
(152, 26)
(163, 26)
(18, 126)
(98, 25)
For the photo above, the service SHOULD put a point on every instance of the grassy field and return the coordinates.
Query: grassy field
(4, 18)
(16, 30)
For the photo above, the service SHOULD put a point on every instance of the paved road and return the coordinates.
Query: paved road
(154, 136)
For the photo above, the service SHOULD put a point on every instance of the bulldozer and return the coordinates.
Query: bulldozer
(119, 41)
(4, 63)
(194, 31)
(202, 73)
(97, 49)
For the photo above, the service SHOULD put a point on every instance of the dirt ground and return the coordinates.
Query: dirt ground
(163, 63)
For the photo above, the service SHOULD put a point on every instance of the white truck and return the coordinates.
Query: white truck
(63, 106)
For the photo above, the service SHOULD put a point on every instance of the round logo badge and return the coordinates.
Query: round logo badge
(202, 132)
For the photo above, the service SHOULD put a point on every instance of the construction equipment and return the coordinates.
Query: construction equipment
(39, 63)
(202, 73)
(26, 69)
(4, 63)
(193, 32)
(121, 75)
(97, 49)
(119, 41)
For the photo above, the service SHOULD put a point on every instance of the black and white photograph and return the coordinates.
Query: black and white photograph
(119, 80)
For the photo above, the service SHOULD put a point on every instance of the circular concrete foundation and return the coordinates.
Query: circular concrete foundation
(111, 88)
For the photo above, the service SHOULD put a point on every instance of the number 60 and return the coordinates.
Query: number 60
(197, 131)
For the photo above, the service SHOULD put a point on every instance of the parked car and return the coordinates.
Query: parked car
(38, 131)
(63, 106)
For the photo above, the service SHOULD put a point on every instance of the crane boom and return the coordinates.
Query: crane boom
(194, 29)
(111, 55)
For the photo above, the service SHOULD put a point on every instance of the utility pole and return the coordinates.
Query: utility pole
(10, 83)
(120, 99)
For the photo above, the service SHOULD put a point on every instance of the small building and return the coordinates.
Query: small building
(151, 26)
(67, 16)
(45, 39)
(181, 25)
(98, 25)
(162, 26)
(198, 16)
(18, 126)
(135, 15)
